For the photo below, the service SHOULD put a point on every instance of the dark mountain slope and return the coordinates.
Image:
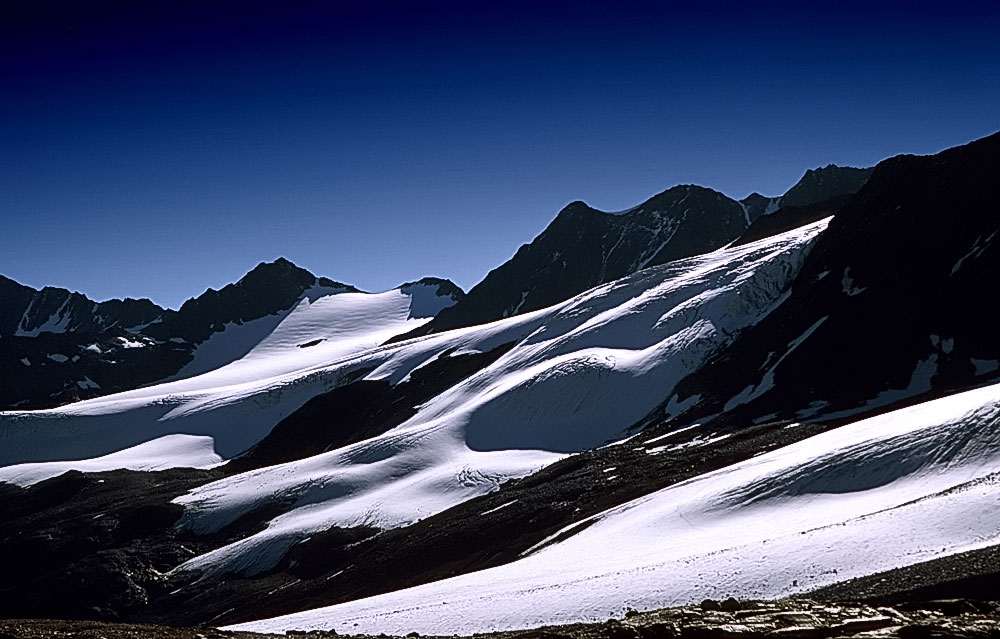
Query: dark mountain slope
(820, 185)
(892, 303)
(584, 247)
(29, 312)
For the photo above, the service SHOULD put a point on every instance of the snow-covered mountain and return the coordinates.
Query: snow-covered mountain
(584, 247)
(813, 402)
(891, 299)
(232, 405)
(54, 344)
(57, 346)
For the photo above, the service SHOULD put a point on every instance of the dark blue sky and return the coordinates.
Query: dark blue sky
(162, 148)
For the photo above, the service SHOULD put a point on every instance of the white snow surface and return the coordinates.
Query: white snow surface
(579, 375)
(164, 452)
(897, 489)
(130, 343)
(235, 404)
(56, 322)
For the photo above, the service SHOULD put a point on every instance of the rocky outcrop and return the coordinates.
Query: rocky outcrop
(790, 618)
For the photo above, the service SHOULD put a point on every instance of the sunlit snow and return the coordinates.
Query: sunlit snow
(580, 375)
(889, 491)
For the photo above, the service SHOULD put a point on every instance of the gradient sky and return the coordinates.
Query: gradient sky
(154, 149)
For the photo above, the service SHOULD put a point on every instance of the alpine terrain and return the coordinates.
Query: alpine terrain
(723, 407)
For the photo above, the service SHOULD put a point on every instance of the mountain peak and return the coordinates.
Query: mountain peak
(280, 267)
(576, 208)
(444, 286)
(270, 287)
(825, 183)
(682, 194)
(754, 198)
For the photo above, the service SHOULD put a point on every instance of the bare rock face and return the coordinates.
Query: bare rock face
(801, 618)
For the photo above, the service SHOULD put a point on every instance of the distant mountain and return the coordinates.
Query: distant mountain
(584, 247)
(431, 295)
(820, 185)
(27, 312)
(756, 205)
(58, 347)
(830, 182)
(268, 288)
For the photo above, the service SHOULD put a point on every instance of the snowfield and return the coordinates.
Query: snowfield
(881, 493)
(889, 491)
(235, 404)
(159, 454)
(897, 489)
(579, 375)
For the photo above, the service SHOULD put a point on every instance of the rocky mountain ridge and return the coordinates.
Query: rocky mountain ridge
(862, 302)
(584, 247)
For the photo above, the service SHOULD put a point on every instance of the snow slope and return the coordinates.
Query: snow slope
(581, 374)
(893, 490)
(164, 452)
(235, 404)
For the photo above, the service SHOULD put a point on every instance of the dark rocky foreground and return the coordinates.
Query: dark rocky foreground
(790, 618)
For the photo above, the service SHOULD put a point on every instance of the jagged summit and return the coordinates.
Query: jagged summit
(757, 206)
(28, 312)
(821, 184)
(584, 246)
